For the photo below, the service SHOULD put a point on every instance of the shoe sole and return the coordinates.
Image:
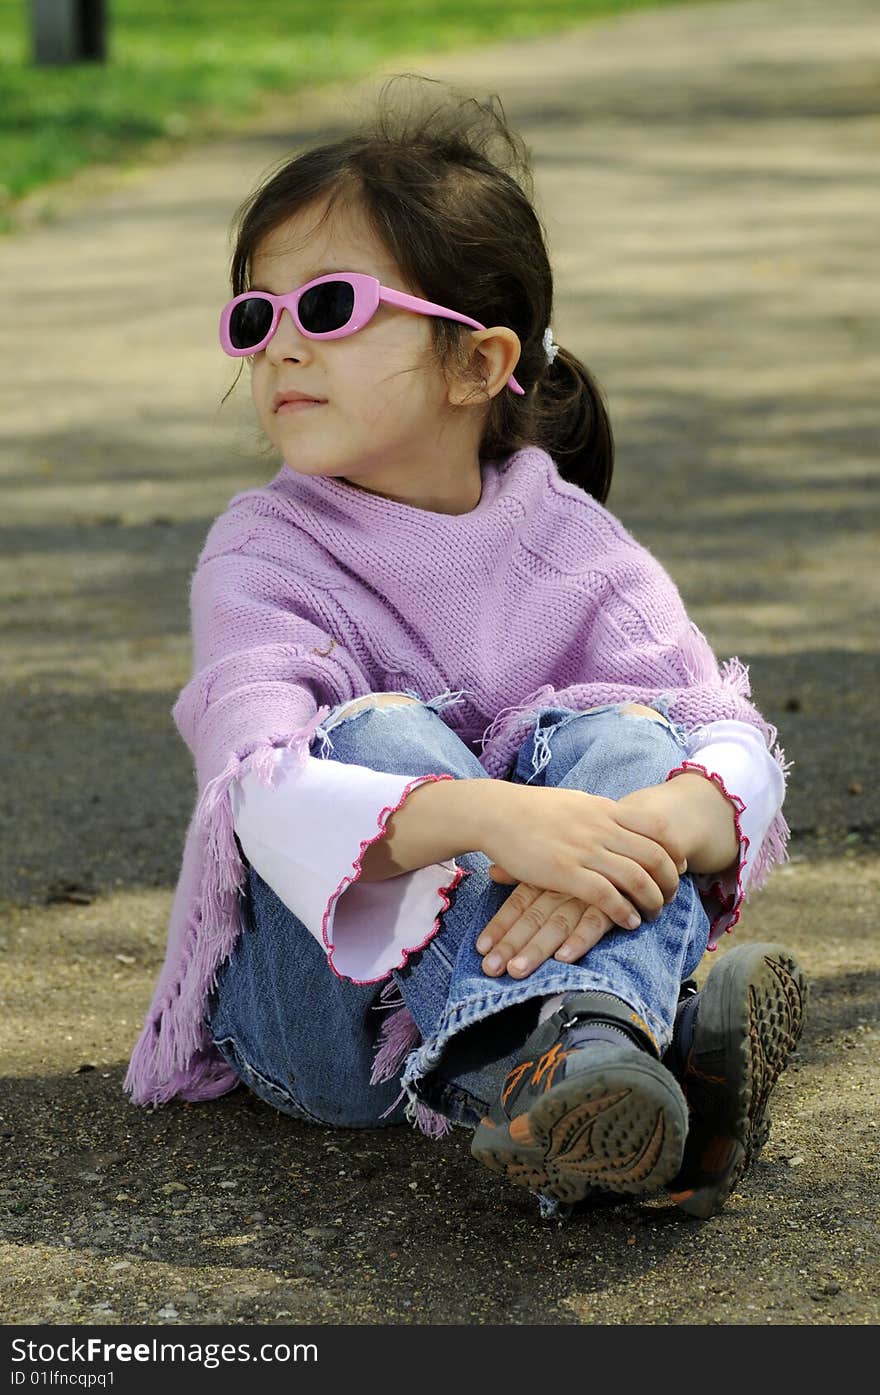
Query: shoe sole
(619, 1127)
(750, 1020)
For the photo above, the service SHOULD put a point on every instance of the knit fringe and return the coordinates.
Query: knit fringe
(774, 848)
(397, 1038)
(174, 1055)
(505, 724)
(698, 664)
(264, 764)
(773, 852)
(735, 675)
(701, 666)
(428, 1121)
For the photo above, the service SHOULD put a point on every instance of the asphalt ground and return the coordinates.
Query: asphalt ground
(708, 179)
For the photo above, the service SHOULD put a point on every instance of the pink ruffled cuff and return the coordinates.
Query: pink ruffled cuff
(304, 834)
(722, 896)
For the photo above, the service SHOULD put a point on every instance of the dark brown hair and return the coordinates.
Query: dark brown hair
(462, 228)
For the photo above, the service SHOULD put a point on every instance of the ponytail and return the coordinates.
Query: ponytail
(573, 425)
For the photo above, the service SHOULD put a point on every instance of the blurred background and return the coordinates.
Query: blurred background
(171, 71)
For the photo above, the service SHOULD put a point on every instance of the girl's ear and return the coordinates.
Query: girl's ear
(494, 355)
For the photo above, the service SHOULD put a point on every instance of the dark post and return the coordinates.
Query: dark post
(69, 31)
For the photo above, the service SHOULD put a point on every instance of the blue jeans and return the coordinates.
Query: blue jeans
(304, 1040)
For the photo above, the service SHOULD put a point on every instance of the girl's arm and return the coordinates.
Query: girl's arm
(309, 833)
(438, 821)
(734, 758)
(718, 804)
(712, 842)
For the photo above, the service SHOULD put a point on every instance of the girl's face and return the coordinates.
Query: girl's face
(385, 422)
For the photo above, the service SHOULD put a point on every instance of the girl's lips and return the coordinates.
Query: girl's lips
(299, 406)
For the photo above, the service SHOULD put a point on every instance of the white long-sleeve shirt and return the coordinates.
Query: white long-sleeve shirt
(306, 834)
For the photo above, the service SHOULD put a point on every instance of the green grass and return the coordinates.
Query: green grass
(183, 68)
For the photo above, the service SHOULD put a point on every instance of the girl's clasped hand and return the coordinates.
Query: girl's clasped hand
(583, 863)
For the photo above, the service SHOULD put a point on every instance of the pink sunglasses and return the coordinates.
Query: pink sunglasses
(329, 307)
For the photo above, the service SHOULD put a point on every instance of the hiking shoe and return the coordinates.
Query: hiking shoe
(588, 1107)
(730, 1044)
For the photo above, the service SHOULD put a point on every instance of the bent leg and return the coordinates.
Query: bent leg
(308, 1045)
(611, 751)
(300, 1036)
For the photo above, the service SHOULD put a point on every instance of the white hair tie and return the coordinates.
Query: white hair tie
(550, 349)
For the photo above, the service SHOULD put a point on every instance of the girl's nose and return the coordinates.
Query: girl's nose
(286, 342)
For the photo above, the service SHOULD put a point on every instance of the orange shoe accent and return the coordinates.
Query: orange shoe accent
(514, 1078)
(678, 1197)
(640, 1022)
(548, 1063)
(545, 1066)
(558, 1062)
(520, 1129)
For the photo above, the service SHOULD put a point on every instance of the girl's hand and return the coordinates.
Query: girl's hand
(701, 814)
(534, 924)
(620, 860)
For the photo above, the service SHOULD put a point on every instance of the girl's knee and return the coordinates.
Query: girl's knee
(644, 740)
(636, 724)
(373, 700)
(623, 746)
(639, 709)
(401, 741)
(381, 700)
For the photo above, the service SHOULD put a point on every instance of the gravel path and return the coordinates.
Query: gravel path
(708, 179)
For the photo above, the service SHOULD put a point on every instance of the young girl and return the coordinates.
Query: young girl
(460, 752)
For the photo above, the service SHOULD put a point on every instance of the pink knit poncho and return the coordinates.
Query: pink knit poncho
(310, 592)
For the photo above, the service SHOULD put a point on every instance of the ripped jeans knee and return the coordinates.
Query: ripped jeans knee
(345, 710)
(398, 733)
(638, 709)
(625, 745)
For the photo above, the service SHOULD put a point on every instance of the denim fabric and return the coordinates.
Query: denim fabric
(304, 1040)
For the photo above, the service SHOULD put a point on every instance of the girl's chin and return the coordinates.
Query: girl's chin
(314, 470)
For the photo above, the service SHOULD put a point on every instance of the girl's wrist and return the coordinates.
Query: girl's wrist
(708, 819)
(438, 820)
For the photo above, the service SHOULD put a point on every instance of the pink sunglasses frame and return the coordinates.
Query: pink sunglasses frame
(368, 292)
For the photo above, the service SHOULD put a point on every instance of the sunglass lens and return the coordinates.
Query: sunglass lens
(250, 322)
(326, 307)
